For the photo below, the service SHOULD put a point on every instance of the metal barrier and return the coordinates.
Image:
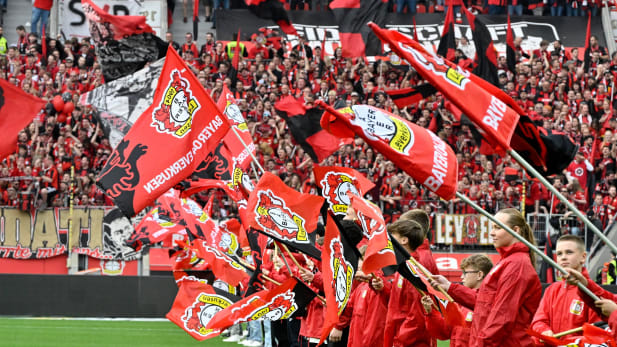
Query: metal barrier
(555, 225)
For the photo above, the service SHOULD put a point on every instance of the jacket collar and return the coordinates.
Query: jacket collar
(515, 248)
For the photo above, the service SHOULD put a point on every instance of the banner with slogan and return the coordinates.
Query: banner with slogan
(101, 233)
(318, 27)
(462, 229)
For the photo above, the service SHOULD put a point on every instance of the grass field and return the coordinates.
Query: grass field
(34, 332)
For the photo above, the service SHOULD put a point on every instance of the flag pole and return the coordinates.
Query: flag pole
(248, 150)
(280, 246)
(563, 199)
(568, 332)
(429, 275)
(525, 242)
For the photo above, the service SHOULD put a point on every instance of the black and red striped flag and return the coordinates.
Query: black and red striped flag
(510, 49)
(412, 95)
(587, 59)
(486, 55)
(274, 10)
(352, 16)
(447, 43)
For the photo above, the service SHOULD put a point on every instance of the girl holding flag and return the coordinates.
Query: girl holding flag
(509, 295)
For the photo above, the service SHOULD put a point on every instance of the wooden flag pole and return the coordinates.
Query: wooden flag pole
(563, 199)
(429, 275)
(524, 241)
(568, 332)
(280, 245)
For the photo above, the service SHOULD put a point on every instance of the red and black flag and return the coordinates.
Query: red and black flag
(404, 267)
(587, 59)
(195, 305)
(305, 128)
(124, 43)
(592, 336)
(239, 140)
(417, 151)
(486, 55)
(510, 49)
(488, 112)
(274, 10)
(447, 43)
(258, 243)
(336, 181)
(156, 226)
(379, 252)
(17, 110)
(221, 264)
(285, 301)
(202, 276)
(351, 17)
(168, 141)
(410, 96)
(548, 151)
(340, 262)
(284, 214)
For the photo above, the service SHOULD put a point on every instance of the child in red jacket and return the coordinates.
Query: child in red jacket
(475, 268)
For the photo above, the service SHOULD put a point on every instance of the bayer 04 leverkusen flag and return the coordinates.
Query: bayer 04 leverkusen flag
(351, 17)
(487, 111)
(17, 110)
(195, 305)
(124, 43)
(304, 126)
(417, 151)
(340, 262)
(285, 301)
(222, 265)
(240, 146)
(167, 142)
(283, 213)
(336, 181)
(379, 252)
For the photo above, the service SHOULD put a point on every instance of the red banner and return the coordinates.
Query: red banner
(167, 143)
(241, 143)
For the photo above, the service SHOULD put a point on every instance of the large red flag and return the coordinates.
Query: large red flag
(415, 150)
(338, 268)
(195, 305)
(379, 252)
(283, 212)
(336, 181)
(487, 111)
(167, 143)
(118, 26)
(221, 264)
(17, 110)
(237, 144)
(283, 302)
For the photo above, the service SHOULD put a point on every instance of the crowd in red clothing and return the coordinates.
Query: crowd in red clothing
(552, 84)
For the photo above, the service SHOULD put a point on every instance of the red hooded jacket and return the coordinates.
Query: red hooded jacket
(505, 303)
(561, 309)
(368, 316)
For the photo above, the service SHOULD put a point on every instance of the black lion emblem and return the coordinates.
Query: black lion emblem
(215, 166)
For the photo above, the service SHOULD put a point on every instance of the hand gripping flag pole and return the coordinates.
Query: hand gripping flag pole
(524, 241)
(563, 199)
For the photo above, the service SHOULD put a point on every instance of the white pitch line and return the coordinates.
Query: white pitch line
(102, 319)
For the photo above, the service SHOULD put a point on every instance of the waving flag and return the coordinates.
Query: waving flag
(258, 243)
(447, 43)
(305, 128)
(352, 16)
(486, 55)
(222, 265)
(195, 306)
(410, 96)
(282, 212)
(592, 336)
(166, 143)
(336, 182)
(274, 10)
(415, 150)
(285, 301)
(125, 43)
(488, 112)
(236, 143)
(17, 110)
(379, 252)
(339, 266)
(155, 227)
(510, 49)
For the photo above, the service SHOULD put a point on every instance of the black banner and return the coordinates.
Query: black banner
(316, 26)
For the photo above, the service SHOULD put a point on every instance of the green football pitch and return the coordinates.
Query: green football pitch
(34, 332)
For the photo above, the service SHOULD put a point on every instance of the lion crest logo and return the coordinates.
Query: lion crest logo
(342, 273)
(198, 315)
(336, 186)
(273, 215)
(282, 306)
(379, 126)
(232, 111)
(175, 114)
